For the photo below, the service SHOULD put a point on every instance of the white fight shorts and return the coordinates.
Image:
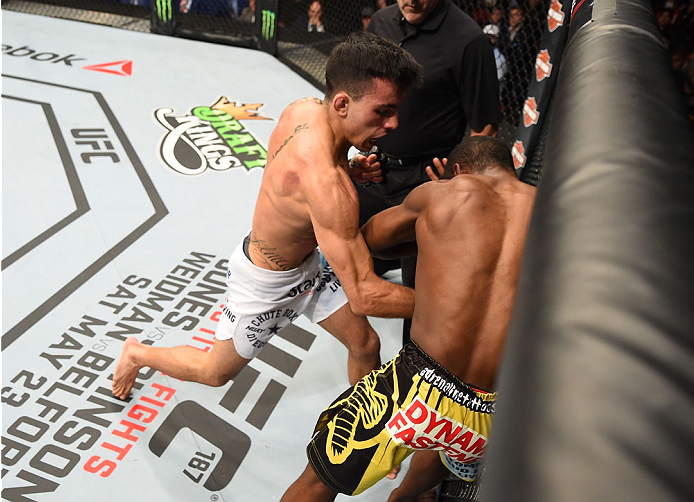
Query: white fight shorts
(261, 302)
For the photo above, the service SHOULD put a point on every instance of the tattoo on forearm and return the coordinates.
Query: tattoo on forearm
(269, 254)
(298, 129)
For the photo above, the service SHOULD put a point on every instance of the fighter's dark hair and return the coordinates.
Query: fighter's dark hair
(479, 153)
(362, 57)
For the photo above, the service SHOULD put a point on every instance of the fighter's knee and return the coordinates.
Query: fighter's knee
(367, 346)
(218, 378)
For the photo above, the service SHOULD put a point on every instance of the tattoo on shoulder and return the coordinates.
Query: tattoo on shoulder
(269, 254)
(304, 100)
(298, 129)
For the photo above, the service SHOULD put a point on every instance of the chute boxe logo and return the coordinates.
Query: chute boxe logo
(211, 137)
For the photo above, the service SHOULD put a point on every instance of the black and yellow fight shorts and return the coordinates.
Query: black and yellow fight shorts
(408, 404)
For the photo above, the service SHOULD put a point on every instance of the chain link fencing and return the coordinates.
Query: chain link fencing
(305, 31)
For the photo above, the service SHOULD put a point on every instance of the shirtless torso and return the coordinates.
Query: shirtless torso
(462, 309)
(307, 198)
(300, 163)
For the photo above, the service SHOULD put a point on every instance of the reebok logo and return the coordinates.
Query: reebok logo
(123, 67)
(52, 57)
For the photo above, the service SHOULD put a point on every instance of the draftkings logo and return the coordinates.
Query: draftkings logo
(211, 137)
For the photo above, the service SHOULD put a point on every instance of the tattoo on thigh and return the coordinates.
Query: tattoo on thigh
(269, 254)
(298, 129)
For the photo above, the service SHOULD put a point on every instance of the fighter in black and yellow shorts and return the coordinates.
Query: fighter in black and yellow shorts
(408, 404)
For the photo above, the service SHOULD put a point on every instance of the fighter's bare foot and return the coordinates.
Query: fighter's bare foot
(126, 369)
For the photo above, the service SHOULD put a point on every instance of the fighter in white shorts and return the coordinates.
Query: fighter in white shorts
(261, 302)
(306, 199)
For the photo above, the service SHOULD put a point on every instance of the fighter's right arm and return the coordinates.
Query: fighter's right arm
(334, 210)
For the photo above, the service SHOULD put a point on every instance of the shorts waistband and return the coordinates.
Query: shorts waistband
(445, 381)
(243, 248)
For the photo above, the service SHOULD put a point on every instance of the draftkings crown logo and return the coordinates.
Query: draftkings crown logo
(211, 137)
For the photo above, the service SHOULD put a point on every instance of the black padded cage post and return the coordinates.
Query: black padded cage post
(596, 388)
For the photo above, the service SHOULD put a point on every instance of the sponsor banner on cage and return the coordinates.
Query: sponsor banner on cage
(530, 114)
(540, 89)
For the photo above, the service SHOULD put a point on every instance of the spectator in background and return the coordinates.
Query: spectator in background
(366, 14)
(682, 26)
(676, 25)
(236, 7)
(519, 45)
(664, 18)
(497, 16)
(493, 32)
(381, 4)
(535, 18)
(483, 12)
(460, 87)
(248, 12)
(516, 17)
(312, 21)
(216, 8)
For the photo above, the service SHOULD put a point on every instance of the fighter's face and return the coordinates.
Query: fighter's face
(416, 11)
(374, 115)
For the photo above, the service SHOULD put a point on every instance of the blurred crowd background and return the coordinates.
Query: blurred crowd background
(308, 29)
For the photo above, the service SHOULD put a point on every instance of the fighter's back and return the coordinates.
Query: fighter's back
(470, 238)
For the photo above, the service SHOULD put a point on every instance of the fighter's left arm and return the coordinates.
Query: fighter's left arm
(391, 233)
